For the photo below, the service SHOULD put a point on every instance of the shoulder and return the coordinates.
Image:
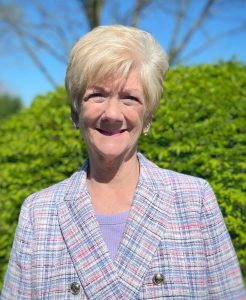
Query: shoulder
(48, 194)
(188, 195)
(172, 180)
(46, 199)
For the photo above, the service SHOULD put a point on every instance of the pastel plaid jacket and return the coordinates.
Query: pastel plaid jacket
(175, 229)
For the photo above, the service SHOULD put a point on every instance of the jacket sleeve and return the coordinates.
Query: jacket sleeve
(17, 283)
(224, 275)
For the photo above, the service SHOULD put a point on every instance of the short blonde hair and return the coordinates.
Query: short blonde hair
(112, 52)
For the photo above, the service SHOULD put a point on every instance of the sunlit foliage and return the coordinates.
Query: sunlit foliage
(199, 129)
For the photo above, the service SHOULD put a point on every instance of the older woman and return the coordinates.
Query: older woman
(120, 227)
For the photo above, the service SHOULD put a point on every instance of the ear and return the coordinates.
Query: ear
(147, 124)
(75, 118)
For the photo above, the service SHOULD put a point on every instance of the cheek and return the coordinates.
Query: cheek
(90, 112)
(81, 122)
(140, 117)
(85, 118)
(84, 124)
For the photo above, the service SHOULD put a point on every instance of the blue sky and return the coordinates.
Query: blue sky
(20, 77)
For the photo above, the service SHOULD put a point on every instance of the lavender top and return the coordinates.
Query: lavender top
(112, 228)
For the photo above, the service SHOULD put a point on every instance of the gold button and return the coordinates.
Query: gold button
(158, 279)
(75, 288)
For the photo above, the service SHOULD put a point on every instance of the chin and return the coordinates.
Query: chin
(114, 154)
(111, 154)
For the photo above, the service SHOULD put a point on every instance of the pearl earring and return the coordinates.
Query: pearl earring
(146, 129)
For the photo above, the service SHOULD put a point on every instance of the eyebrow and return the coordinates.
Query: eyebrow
(103, 89)
(130, 91)
(98, 88)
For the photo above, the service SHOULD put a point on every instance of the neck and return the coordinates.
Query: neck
(113, 171)
(112, 183)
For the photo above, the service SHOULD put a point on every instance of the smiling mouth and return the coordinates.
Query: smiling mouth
(110, 132)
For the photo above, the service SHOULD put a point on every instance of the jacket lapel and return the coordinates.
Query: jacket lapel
(147, 222)
(88, 251)
(100, 277)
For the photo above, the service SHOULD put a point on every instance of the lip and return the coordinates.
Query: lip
(110, 132)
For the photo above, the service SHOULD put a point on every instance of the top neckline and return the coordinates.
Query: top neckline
(112, 219)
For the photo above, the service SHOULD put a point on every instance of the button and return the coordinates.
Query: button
(75, 288)
(158, 279)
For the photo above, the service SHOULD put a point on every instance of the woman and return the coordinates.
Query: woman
(120, 227)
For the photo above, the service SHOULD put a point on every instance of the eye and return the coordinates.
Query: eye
(94, 96)
(131, 100)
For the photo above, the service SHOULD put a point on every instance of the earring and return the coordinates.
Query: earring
(146, 129)
(75, 125)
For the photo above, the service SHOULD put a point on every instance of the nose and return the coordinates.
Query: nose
(112, 110)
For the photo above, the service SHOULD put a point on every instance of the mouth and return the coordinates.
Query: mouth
(110, 132)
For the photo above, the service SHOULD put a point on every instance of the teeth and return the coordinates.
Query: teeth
(105, 131)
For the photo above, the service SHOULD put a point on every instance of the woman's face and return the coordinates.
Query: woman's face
(111, 116)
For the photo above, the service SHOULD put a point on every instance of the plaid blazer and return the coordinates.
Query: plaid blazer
(175, 244)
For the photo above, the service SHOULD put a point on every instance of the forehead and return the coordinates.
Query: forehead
(130, 81)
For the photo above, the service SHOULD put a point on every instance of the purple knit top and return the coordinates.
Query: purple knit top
(112, 228)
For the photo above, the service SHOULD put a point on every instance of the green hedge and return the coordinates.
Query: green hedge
(199, 129)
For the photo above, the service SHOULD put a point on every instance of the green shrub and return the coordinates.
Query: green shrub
(38, 147)
(199, 129)
(9, 105)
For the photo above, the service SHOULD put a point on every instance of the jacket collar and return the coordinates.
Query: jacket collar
(146, 225)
